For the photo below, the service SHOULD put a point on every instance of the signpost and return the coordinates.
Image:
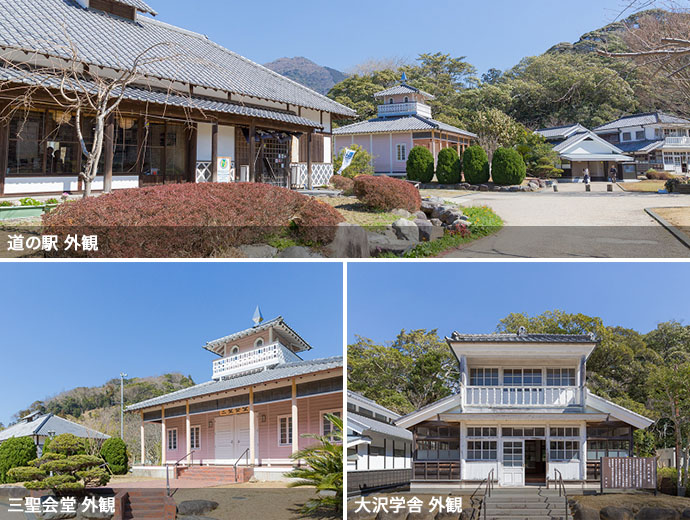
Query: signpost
(234, 411)
(628, 473)
(224, 167)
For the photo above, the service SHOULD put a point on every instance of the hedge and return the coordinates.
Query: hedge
(449, 167)
(15, 452)
(386, 194)
(475, 164)
(420, 165)
(508, 168)
(114, 452)
(191, 220)
(345, 184)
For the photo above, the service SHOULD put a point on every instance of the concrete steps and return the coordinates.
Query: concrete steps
(525, 504)
(152, 504)
(217, 474)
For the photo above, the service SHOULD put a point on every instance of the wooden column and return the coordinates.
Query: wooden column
(143, 441)
(188, 425)
(192, 152)
(4, 151)
(214, 153)
(141, 148)
(109, 151)
(164, 443)
(310, 180)
(295, 425)
(252, 428)
(252, 152)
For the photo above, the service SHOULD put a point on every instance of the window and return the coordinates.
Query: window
(438, 442)
(598, 449)
(407, 100)
(259, 342)
(512, 377)
(482, 450)
(484, 377)
(61, 144)
(565, 432)
(234, 350)
(639, 135)
(627, 136)
(522, 377)
(401, 152)
(390, 101)
(483, 431)
(560, 377)
(172, 439)
(126, 152)
(26, 144)
(523, 432)
(512, 454)
(166, 151)
(327, 427)
(195, 437)
(565, 450)
(377, 450)
(285, 430)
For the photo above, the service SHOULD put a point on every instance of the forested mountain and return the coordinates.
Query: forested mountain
(306, 72)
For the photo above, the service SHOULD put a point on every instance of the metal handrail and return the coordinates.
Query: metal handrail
(167, 469)
(558, 478)
(489, 483)
(246, 452)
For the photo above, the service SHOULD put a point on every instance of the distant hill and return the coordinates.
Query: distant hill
(306, 72)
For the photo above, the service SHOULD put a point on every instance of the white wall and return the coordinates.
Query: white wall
(226, 141)
(570, 470)
(20, 185)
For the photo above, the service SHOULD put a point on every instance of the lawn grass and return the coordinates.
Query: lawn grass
(355, 212)
(648, 186)
(484, 223)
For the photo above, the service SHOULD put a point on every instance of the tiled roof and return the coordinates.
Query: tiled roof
(44, 424)
(561, 132)
(398, 124)
(403, 88)
(522, 338)
(286, 370)
(640, 146)
(140, 6)
(361, 424)
(642, 120)
(275, 322)
(109, 41)
(581, 136)
(166, 98)
(370, 402)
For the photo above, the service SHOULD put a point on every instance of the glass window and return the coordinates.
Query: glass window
(484, 377)
(327, 427)
(639, 135)
(560, 377)
(26, 145)
(401, 152)
(61, 144)
(483, 431)
(195, 437)
(532, 377)
(565, 432)
(172, 439)
(126, 154)
(512, 377)
(482, 450)
(512, 454)
(627, 136)
(285, 430)
(564, 450)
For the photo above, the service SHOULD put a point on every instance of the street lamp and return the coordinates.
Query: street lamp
(122, 405)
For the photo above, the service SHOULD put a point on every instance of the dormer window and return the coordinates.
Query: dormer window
(126, 9)
(390, 101)
(234, 350)
(259, 343)
(407, 100)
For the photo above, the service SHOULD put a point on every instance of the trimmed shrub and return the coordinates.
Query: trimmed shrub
(655, 175)
(68, 445)
(387, 194)
(361, 163)
(114, 452)
(14, 453)
(475, 164)
(544, 169)
(508, 168)
(420, 165)
(672, 184)
(25, 474)
(449, 167)
(191, 220)
(345, 184)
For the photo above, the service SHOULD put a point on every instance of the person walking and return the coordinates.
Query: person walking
(586, 176)
(613, 174)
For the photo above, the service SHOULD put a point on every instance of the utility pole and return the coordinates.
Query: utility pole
(122, 405)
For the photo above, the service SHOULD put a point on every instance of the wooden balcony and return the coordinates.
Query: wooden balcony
(404, 109)
(268, 355)
(515, 396)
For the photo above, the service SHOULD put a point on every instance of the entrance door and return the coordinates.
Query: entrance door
(535, 462)
(513, 463)
(232, 437)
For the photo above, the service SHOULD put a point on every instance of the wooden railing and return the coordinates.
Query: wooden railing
(440, 470)
(257, 358)
(522, 396)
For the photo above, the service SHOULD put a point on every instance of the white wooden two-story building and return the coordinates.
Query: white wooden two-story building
(523, 413)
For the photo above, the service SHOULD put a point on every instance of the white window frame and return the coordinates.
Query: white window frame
(235, 350)
(561, 378)
(486, 447)
(196, 437)
(259, 342)
(167, 439)
(288, 418)
(481, 373)
(623, 134)
(401, 147)
(322, 417)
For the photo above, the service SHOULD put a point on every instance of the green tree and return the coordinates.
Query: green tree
(15, 452)
(449, 167)
(323, 470)
(495, 129)
(475, 164)
(357, 92)
(361, 163)
(507, 167)
(114, 452)
(420, 165)
(541, 159)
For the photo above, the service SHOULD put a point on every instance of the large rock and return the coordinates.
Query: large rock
(196, 507)
(448, 516)
(436, 222)
(93, 515)
(581, 512)
(351, 241)
(421, 215)
(59, 516)
(401, 515)
(451, 215)
(258, 251)
(686, 514)
(426, 230)
(381, 243)
(438, 211)
(362, 515)
(656, 513)
(298, 252)
(406, 230)
(616, 513)
(533, 184)
(424, 515)
(428, 206)
(483, 187)
(401, 213)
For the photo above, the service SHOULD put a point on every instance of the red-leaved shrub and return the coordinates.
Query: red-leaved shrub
(345, 184)
(386, 193)
(191, 220)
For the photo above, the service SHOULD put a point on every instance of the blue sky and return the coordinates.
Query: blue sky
(383, 299)
(70, 325)
(497, 33)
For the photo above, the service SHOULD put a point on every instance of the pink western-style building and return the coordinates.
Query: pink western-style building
(254, 411)
(404, 121)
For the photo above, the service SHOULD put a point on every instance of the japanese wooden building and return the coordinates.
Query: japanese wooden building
(206, 114)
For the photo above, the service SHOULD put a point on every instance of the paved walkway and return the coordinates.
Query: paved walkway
(575, 224)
